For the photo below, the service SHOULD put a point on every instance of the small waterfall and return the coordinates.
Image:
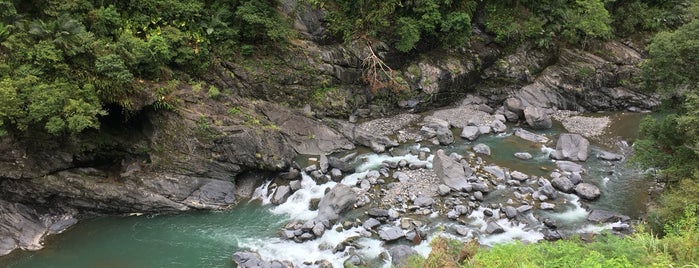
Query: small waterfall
(262, 193)
(297, 206)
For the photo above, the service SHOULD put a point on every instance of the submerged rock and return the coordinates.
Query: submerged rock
(523, 155)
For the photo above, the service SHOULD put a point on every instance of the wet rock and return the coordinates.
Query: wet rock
(295, 185)
(487, 213)
(318, 229)
(563, 184)
(470, 132)
(547, 206)
(342, 165)
(292, 174)
(443, 190)
(336, 174)
(524, 208)
(573, 147)
(549, 223)
(552, 235)
(323, 163)
(575, 178)
(400, 255)
(523, 155)
(608, 156)
(340, 198)
(510, 212)
(587, 191)
(249, 259)
(281, 194)
(537, 118)
(526, 135)
(482, 149)
(371, 223)
(494, 228)
(22, 227)
(450, 171)
(391, 233)
(212, 195)
(604, 216)
(571, 167)
(461, 230)
(547, 189)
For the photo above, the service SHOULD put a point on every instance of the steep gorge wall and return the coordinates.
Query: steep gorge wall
(191, 156)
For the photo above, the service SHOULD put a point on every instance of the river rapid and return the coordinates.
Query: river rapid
(208, 238)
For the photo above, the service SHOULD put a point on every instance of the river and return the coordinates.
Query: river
(207, 239)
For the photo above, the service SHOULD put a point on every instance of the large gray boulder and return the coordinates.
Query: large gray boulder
(537, 118)
(563, 184)
(573, 147)
(516, 106)
(587, 191)
(450, 171)
(482, 149)
(470, 132)
(340, 198)
(391, 233)
(400, 255)
(281, 194)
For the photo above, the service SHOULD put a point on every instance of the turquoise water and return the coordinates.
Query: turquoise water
(199, 239)
(207, 239)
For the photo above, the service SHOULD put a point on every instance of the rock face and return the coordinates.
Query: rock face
(450, 171)
(22, 227)
(573, 147)
(340, 198)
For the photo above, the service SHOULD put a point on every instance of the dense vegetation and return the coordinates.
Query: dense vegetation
(62, 62)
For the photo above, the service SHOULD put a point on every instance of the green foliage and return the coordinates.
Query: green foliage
(672, 60)
(61, 61)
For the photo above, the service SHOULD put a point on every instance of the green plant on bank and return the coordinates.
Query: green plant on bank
(213, 92)
(678, 248)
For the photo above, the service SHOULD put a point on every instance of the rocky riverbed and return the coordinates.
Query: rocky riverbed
(412, 185)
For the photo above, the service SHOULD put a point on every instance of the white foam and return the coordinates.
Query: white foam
(575, 214)
(262, 193)
(312, 250)
(373, 161)
(297, 205)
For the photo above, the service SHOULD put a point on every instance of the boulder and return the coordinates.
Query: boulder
(519, 176)
(423, 201)
(340, 198)
(587, 191)
(450, 171)
(515, 106)
(341, 164)
(498, 126)
(573, 147)
(481, 149)
(370, 223)
(537, 118)
(563, 184)
(391, 233)
(571, 167)
(510, 212)
(444, 136)
(604, 216)
(470, 132)
(494, 228)
(281, 194)
(608, 156)
(214, 194)
(523, 155)
(400, 255)
(249, 259)
(526, 135)
(443, 190)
